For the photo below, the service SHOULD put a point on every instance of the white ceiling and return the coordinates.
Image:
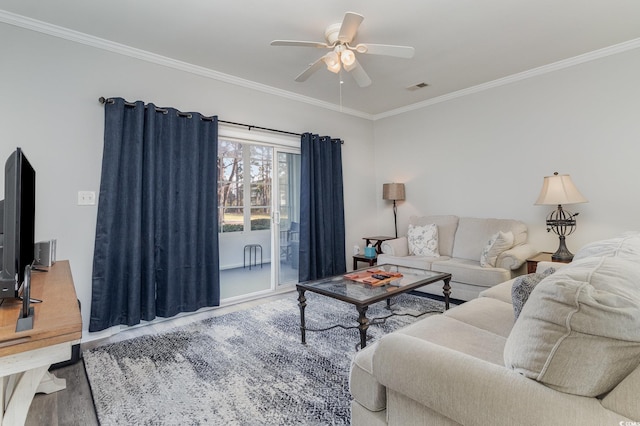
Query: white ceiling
(459, 44)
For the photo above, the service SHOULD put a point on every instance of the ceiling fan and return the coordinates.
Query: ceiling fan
(339, 39)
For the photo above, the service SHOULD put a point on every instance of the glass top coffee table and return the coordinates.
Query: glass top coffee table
(363, 295)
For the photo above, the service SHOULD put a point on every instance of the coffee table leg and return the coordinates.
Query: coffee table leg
(446, 289)
(363, 325)
(302, 303)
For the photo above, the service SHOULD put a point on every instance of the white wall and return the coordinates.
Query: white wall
(481, 155)
(49, 90)
(486, 154)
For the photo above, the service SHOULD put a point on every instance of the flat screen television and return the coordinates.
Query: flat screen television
(19, 223)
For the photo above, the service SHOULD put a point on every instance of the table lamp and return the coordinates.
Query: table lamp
(394, 192)
(559, 190)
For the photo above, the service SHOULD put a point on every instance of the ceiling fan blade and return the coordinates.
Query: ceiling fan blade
(312, 68)
(406, 52)
(349, 27)
(359, 74)
(299, 43)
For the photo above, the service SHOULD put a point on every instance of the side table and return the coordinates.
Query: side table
(376, 242)
(532, 263)
(362, 258)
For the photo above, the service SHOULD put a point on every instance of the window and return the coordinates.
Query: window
(289, 188)
(230, 187)
(260, 171)
(244, 193)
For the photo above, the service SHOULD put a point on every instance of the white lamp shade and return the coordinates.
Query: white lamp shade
(559, 189)
(333, 62)
(348, 58)
(393, 191)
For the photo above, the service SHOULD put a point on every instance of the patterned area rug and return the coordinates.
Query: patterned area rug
(242, 368)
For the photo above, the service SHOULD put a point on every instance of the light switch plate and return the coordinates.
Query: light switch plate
(86, 198)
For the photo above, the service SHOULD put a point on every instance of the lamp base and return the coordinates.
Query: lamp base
(562, 254)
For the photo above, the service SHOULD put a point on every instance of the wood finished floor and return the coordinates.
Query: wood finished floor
(74, 405)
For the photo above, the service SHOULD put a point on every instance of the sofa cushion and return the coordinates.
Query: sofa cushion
(470, 272)
(419, 262)
(470, 391)
(444, 330)
(523, 286)
(447, 225)
(501, 291)
(579, 332)
(486, 313)
(623, 398)
(423, 240)
(473, 233)
(497, 244)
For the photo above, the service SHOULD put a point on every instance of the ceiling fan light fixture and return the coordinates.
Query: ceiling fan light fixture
(333, 62)
(348, 58)
(339, 38)
(351, 66)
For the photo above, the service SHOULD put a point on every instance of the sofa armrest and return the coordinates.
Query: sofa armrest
(515, 257)
(472, 391)
(396, 247)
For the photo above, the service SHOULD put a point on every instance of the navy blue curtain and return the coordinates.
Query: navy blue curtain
(156, 247)
(322, 242)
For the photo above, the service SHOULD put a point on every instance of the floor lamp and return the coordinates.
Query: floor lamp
(558, 190)
(393, 192)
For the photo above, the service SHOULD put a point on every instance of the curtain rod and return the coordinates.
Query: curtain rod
(104, 100)
(249, 127)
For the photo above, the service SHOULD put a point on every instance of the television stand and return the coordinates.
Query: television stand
(25, 356)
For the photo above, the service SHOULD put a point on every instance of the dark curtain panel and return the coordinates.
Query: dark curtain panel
(322, 227)
(156, 248)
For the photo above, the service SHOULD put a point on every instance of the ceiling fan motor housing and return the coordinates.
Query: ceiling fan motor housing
(331, 33)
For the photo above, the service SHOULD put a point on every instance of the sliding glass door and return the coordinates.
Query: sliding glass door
(258, 202)
(286, 217)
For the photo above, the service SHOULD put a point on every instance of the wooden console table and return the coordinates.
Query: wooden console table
(25, 357)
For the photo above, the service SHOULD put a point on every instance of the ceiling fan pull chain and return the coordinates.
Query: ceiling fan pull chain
(340, 84)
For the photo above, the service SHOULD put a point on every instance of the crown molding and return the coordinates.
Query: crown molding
(78, 37)
(565, 63)
(100, 43)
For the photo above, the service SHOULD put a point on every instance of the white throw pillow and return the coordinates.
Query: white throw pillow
(423, 240)
(499, 242)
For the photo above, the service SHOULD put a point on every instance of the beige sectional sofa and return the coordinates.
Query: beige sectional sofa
(461, 241)
(572, 357)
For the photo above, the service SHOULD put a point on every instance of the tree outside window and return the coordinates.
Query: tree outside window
(244, 202)
(261, 158)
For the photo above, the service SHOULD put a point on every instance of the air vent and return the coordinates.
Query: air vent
(417, 86)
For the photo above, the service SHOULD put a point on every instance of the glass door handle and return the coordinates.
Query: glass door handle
(276, 217)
